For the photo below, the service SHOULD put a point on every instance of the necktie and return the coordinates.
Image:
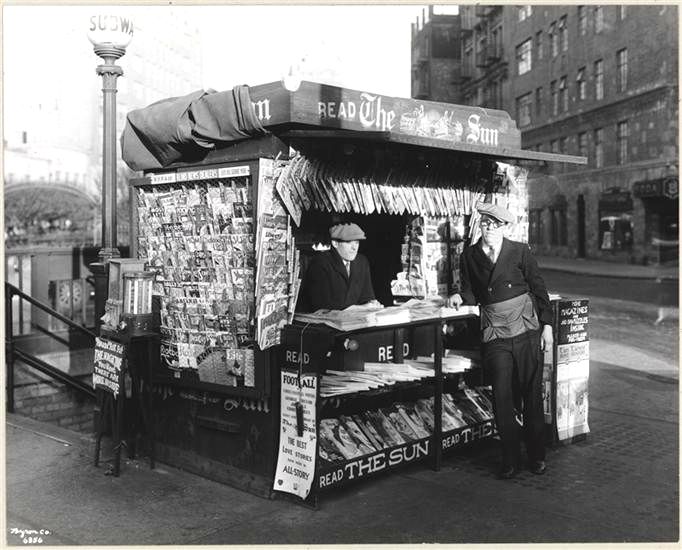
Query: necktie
(491, 254)
(347, 264)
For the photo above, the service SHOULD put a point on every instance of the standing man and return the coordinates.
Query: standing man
(516, 325)
(339, 277)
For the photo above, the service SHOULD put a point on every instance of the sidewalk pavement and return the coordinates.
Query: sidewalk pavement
(620, 484)
(600, 268)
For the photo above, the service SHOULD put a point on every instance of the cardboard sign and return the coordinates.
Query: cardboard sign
(572, 368)
(108, 365)
(296, 461)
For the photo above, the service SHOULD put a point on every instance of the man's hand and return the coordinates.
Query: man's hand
(547, 338)
(455, 301)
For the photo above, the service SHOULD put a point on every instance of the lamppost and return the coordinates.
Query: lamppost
(109, 34)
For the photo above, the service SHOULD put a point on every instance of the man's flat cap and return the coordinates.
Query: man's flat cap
(496, 211)
(346, 232)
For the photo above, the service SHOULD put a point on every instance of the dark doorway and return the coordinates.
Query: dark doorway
(581, 226)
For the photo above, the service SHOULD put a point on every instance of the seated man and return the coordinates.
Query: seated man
(339, 277)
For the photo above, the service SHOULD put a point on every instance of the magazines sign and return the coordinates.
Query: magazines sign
(572, 368)
(296, 460)
(106, 372)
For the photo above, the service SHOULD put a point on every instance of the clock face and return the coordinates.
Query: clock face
(64, 291)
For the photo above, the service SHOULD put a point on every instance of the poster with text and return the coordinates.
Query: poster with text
(297, 454)
(108, 362)
(572, 368)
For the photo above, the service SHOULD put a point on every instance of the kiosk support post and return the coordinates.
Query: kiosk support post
(438, 393)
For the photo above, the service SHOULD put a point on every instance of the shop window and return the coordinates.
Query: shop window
(598, 79)
(524, 106)
(523, 56)
(535, 226)
(563, 145)
(615, 220)
(563, 34)
(558, 232)
(622, 137)
(622, 69)
(582, 20)
(580, 83)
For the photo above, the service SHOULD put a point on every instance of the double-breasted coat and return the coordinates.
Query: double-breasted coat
(327, 285)
(514, 273)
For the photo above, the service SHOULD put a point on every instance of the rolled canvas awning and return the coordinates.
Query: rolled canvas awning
(317, 111)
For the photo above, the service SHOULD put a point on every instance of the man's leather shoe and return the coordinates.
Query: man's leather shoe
(538, 467)
(507, 472)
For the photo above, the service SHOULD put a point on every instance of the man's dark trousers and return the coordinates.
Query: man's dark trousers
(514, 368)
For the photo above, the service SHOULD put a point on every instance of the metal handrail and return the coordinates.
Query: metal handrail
(55, 373)
(14, 291)
(11, 352)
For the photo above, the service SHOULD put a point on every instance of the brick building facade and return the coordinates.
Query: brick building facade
(593, 81)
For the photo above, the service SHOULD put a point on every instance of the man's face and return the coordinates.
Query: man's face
(348, 250)
(492, 230)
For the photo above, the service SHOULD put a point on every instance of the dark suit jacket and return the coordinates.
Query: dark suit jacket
(326, 284)
(515, 272)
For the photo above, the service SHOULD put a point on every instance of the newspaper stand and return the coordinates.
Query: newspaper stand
(228, 426)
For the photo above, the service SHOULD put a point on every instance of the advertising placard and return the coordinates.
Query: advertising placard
(106, 373)
(572, 368)
(296, 460)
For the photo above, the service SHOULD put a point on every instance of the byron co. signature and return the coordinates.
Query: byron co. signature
(30, 536)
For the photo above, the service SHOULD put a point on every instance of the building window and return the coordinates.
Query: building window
(582, 20)
(598, 19)
(615, 220)
(538, 101)
(524, 105)
(599, 148)
(563, 34)
(582, 144)
(599, 79)
(580, 83)
(538, 45)
(523, 56)
(563, 145)
(558, 225)
(524, 12)
(622, 138)
(553, 40)
(554, 144)
(535, 226)
(622, 65)
(555, 97)
(563, 94)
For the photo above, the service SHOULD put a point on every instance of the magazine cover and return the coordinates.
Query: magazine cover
(335, 432)
(399, 423)
(385, 428)
(363, 443)
(370, 432)
(413, 419)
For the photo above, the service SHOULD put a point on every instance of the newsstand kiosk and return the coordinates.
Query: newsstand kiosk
(245, 390)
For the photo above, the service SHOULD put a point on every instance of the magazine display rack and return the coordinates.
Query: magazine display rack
(242, 392)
